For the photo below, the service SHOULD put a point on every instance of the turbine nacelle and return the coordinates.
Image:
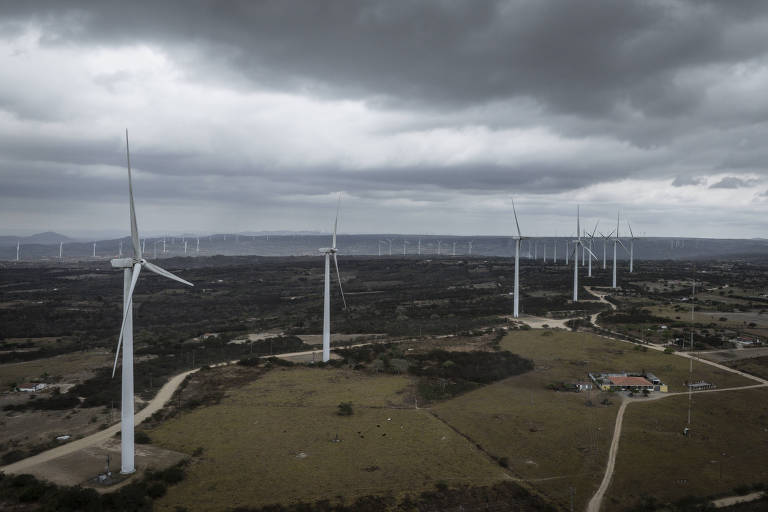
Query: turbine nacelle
(328, 250)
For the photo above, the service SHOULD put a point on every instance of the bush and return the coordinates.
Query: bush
(141, 437)
(345, 409)
(156, 490)
(504, 462)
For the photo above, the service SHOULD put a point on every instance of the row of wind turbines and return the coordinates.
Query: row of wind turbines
(580, 244)
(132, 267)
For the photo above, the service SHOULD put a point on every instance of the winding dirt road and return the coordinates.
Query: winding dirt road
(157, 403)
(597, 499)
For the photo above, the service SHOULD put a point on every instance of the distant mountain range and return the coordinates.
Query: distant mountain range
(49, 237)
(45, 246)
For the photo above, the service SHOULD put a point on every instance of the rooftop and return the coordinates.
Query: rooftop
(629, 381)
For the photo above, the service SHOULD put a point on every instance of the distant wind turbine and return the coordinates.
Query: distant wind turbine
(616, 241)
(94, 249)
(405, 244)
(469, 247)
(589, 260)
(518, 239)
(578, 243)
(61, 249)
(18, 250)
(120, 250)
(631, 248)
(131, 270)
(328, 252)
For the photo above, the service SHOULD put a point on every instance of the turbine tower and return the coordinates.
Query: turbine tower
(406, 243)
(131, 270)
(578, 243)
(469, 244)
(61, 249)
(616, 241)
(18, 249)
(94, 249)
(120, 250)
(631, 248)
(589, 260)
(518, 239)
(328, 252)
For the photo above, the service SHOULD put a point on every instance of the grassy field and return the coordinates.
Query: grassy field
(754, 365)
(655, 459)
(74, 365)
(273, 442)
(553, 439)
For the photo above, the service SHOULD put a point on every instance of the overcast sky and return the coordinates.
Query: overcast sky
(428, 117)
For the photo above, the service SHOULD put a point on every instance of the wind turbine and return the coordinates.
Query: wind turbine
(18, 249)
(94, 249)
(589, 260)
(405, 244)
(419, 246)
(381, 242)
(328, 252)
(185, 247)
(197, 249)
(631, 248)
(616, 241)
(518, 239)
(61, 249)
(578, 243)
(131, 270)
(389, 241)
(120, 250)
(469, 244)
(454, 248)
(439, 243)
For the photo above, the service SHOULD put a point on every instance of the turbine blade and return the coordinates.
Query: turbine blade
(519, 235)
(134, 228)
(624, 246)
(336, 222)
(590, 252)
(631, 234)
(594, 230)
(162, 272)
(338, 274)
(134, 279)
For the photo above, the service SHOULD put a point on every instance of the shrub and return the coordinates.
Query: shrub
(141, 437)
(345, 409)
(156, 490)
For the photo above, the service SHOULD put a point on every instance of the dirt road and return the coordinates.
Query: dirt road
(597, 499)
(157, 403)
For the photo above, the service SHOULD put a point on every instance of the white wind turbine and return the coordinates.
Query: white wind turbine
(18, 250)
(131, 270)
(94, 249)
(328, 252)
(616, 241)
(518, 239)
(469, 247)
(61, 249)
(591, 238)
(381, 242)
(120, 250)
(406, 243)
(578, 243)
(631, 248)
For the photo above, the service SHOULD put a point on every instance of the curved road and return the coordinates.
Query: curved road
(597, 499)
(157, 403)
(163, 395)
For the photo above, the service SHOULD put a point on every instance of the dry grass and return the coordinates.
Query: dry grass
(75, 365)
(655, 459)
(272, 442)
(553, 439)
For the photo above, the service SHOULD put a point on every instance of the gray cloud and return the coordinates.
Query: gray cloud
(732, 182)
(683, 181)
(451, 95)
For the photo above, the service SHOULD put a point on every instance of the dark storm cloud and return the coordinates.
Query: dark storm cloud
(732, 182)
(683, 181)
(455, 99)
(578, 57)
